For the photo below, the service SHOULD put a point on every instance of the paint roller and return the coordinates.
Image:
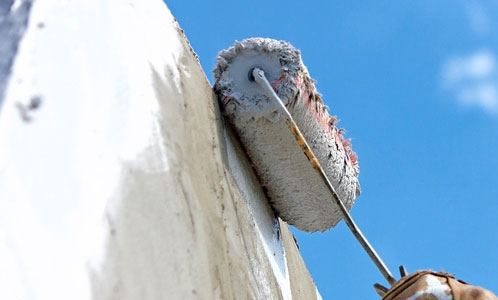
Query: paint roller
(307, 167)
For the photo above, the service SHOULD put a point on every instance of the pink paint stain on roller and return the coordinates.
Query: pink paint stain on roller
(295, 190)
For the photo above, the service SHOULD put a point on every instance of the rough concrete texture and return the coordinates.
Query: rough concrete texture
(297, 192)
(118, 178)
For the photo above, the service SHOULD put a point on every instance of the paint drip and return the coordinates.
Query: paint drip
(297, 193)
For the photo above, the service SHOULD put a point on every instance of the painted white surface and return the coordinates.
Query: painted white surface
(113, 78)
(90, 64)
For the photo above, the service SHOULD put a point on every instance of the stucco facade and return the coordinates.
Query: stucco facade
(118, 176)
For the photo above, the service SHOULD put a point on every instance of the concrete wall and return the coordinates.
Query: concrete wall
(118, 177)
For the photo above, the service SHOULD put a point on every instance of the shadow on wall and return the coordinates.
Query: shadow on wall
(172, 227)
(13, 22)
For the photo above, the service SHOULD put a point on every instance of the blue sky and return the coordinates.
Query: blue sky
(415, 84)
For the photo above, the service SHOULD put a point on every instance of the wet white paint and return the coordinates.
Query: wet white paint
(435, 288)
(90, 64)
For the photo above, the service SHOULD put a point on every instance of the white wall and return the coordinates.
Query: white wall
(118, 178)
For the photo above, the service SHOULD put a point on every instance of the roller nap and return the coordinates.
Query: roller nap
(295, 190)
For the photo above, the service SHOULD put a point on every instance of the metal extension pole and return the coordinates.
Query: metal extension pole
(259, 77)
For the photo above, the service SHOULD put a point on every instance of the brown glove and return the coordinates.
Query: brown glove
(430, 285)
